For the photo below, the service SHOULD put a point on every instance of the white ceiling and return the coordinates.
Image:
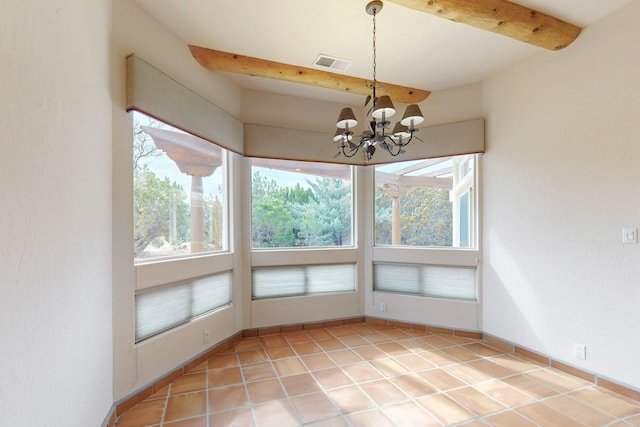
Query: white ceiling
(413, 48)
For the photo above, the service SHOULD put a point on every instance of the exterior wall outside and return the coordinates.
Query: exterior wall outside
(55, 193)
(560, 182)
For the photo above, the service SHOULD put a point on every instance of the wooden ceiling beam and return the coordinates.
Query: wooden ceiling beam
(230, 62)
(502, 17)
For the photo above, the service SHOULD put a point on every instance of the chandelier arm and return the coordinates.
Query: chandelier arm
(353, 151)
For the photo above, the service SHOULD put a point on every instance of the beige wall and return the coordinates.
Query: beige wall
(55, 221)
(560, 182)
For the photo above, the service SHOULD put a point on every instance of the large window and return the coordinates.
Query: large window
(180, 192)
(300, 204)
(428, 203)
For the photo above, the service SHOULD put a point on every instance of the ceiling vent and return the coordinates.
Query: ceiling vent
(332, 63)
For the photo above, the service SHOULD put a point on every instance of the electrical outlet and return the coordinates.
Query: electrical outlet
(579, 351)
(205, 336)
(629, 235)
(383, 306)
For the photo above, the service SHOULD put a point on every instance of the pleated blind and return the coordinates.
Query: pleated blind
(275, 282)
(435, 281)
(162, 308)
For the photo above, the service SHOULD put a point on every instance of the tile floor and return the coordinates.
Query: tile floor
(361, 375)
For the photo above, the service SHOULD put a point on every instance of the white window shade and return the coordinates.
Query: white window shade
(436, 281)
(276, 282)
(162, 308)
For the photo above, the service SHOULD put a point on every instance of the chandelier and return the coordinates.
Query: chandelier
(378, 133)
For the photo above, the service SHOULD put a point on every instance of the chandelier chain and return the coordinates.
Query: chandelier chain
(374, 56)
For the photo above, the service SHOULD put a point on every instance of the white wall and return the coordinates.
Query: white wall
(560, 182)
(55, 196)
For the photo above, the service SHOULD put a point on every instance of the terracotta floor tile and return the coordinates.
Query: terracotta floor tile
(361, 329)
(383, 392)
(191, 422)
(314, 407)
(249, 344)
(148, 412)
(280, 352)
(579, 411)
(416, 345)
(489, 368)
(397, 334)
(340, 331)
(354, 341)
(634, 420)
(439, 358)
(482, 349)
(546, 416)
(199, 368)
(510, 419)
(475, 423)
(225, 398)
(503, 393)
(186, 405)
(413, 385)
(259, 371)
(370, 418)
(316, 362)
(319, 334)
(461, 353)
(475, 401)
(331, 422)
(414, 362)
(409, 414)
(297, 337)
(273, 341)
(442, 379)
(369, 352)
(331, 344)
(226, 376)
(290, 366)
(304, 348)
(516, 363)
(350, 399)
(393, 349)
(361, 372)
(389, 367)
(377, 338)
(252, 356)
(344, 357)
(278, 413)
(265, 391)
(221, 361)
(332, 378)
(300, 384)
(529, 386)
(445, 409)
(555, 381)
(610, 405)
(242, 417)
(189, 383)
(160, 394)
(437, 341)
(467, 373)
